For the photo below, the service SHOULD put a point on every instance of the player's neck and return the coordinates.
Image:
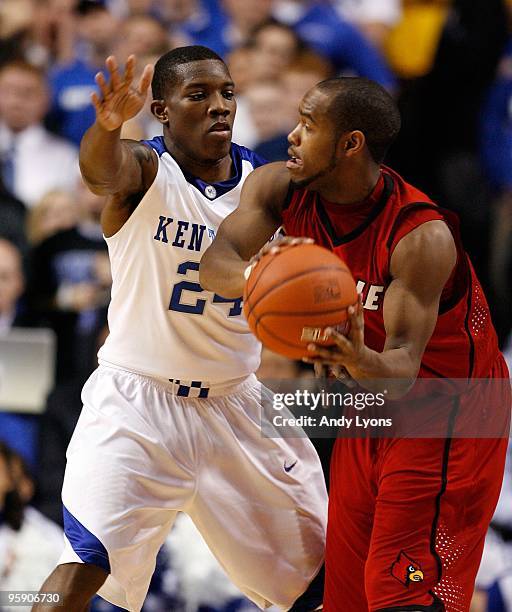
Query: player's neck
(351, 186)
(209, 171)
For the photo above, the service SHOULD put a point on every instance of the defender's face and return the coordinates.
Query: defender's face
(312, 148)
(201, 110)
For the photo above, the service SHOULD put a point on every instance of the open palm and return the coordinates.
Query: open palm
(119, 100)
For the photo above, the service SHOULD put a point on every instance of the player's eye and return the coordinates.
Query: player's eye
(229, 95)
(197, 96)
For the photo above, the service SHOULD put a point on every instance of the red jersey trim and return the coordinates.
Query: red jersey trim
(336, 240)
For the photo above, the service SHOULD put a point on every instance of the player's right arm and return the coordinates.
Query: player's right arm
(242, 233)
(120, 169)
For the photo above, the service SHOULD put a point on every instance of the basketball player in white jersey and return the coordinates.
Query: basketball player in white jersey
(171, 418)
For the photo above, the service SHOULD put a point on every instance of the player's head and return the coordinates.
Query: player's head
(193, 98)
(345, 122)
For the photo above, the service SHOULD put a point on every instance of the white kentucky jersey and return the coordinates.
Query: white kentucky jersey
(162, 323)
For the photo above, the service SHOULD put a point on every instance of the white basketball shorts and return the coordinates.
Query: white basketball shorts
(140, 454)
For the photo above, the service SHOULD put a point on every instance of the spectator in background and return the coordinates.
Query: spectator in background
(30, 544)
(73, 82)
(338, 41)
(301, 76)
(143, 36)
(316, 23)
(274, 46)
(231, 24)
(190, 20)
(70, 286)
(375, 18)
(12, 285)
(20, 430)
(55, 211)
(37, 31)
(12, 219)
(496, 156)
(411, 45)
(33, 160)
(147, 38)
(272, 119)
(16, 18)
(127, 8)
(438, 146)
(265, 114)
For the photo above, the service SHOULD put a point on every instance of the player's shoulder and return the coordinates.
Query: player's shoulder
(272, 178)
(268, 187)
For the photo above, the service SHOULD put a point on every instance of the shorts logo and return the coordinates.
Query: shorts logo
(289, 468)
(405, 570)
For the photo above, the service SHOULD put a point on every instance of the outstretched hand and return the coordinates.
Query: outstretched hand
(273, 248)
(119, 100)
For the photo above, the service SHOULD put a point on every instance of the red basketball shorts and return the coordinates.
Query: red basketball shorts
(407, 521)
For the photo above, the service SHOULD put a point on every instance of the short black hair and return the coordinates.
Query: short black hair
(85, 7)
(361, 104)
(165, 74)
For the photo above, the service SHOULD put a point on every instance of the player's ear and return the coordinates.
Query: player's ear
(159, 110)
(353, 142)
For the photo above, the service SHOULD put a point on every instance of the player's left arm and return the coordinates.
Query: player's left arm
(420, 267)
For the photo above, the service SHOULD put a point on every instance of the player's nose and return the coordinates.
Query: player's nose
(293, 136)
(219, 105)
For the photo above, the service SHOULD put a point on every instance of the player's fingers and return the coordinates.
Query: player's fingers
(249, 269)
(341, 340)
(320, 361)
(360, 307)
(294, 241)
(96, 102)
(129, 70)
(356, 319)
(113, 69)
(145, 79)
(333, 355)
(268, 249)
(102, 84)
(343, 376)
(320, 370)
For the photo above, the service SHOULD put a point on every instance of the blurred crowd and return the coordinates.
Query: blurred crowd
(447, 62)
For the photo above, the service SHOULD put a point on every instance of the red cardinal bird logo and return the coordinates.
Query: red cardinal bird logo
(405, 570)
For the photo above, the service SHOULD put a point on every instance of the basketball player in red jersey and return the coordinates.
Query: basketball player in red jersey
(407, 517)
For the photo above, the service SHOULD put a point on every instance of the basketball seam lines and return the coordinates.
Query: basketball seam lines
(251, 307)
(270, 333)
(301, 314)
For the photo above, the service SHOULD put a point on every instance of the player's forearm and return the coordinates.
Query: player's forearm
(393, 370)
(222, 271)
(101, 157)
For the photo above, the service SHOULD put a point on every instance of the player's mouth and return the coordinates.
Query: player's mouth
(221, 129)
(294, 163)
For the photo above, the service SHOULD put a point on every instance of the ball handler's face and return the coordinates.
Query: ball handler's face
(201, 110)
(313, 143)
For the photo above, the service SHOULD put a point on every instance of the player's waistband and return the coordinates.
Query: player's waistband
(199, 389)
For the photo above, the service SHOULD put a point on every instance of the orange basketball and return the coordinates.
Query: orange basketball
(291, 297)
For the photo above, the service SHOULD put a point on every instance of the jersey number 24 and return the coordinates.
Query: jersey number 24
(198, 307)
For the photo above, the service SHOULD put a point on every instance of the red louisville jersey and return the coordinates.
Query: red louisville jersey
(464, 343)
